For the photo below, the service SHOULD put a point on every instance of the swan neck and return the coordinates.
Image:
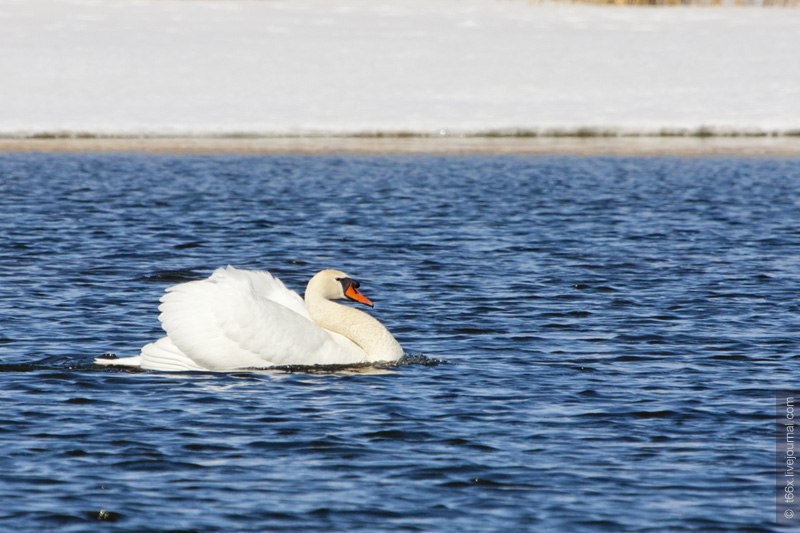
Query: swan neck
(361, 328)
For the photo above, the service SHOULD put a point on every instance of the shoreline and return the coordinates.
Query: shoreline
(578, 146)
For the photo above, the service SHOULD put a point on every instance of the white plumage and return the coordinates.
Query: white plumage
(246, 319)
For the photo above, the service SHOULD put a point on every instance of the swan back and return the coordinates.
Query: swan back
(246, 319)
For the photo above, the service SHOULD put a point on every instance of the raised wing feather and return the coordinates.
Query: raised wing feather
(265, 285)
(245, 319)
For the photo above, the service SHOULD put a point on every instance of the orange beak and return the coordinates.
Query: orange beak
(353, 294)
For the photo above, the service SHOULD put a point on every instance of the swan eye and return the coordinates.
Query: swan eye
(347, 282)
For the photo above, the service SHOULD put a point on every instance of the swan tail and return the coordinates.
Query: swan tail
(164, 355)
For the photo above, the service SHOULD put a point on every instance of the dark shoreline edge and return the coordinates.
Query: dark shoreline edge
(588, 131)
(397, 144)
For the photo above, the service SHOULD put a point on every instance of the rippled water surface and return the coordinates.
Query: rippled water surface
(595, 343)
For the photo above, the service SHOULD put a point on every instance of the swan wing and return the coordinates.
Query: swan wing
(265, 285)
(245, 319)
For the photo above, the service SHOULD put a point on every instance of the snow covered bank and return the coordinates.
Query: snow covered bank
(178, 67)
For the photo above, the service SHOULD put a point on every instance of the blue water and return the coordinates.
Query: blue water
(594, 343)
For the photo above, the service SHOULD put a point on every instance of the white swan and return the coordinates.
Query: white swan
(247, 319)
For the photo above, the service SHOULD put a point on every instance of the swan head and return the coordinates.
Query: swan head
(336, 285)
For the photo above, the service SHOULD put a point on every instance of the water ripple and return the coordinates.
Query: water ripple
(593, 343)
